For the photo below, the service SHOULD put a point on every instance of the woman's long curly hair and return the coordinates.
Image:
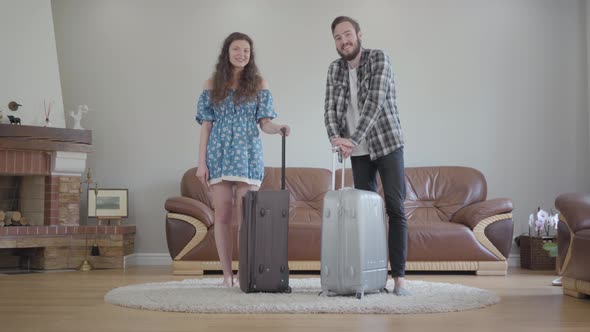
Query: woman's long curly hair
(249, 82)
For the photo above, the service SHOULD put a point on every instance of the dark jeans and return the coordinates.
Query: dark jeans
(391, 170)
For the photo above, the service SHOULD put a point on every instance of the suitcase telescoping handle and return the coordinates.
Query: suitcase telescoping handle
(284, 131)
(336, 153)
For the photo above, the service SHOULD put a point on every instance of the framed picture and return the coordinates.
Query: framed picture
(107, 203)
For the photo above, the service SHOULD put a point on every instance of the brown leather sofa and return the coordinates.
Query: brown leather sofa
(573, 243)
(451, 225)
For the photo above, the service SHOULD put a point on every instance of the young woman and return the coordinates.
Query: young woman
(232, 103)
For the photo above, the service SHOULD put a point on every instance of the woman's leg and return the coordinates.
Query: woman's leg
(222, 199)
(241, 190)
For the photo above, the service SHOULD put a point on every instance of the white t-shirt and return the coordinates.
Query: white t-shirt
(353, 115)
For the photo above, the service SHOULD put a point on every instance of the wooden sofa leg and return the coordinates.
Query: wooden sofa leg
(497, 268)
(573, 293)
(575, 288)
(187, 268)
(181, 272)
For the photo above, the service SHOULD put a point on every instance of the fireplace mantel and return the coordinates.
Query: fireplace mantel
(16, 137)
(57, 154)
(60, 151)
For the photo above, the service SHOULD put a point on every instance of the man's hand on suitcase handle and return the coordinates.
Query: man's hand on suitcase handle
(345, 145)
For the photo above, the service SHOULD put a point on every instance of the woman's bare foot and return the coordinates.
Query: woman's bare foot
(227, 282)
(237, 280)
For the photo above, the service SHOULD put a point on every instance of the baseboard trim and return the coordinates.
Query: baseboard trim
(514, 260)
(145, 259)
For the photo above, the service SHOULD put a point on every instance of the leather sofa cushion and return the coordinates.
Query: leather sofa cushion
(430, 240)
(307, 186)
(435, 193)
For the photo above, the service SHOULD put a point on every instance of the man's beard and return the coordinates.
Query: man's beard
(353, 54)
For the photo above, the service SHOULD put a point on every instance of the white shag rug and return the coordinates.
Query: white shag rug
(207, 296)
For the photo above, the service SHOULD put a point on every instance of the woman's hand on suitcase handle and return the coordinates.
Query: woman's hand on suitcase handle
(270, 128)
(203, 175)
(284, 129)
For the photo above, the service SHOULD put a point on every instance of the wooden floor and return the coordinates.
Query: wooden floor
(73, 301)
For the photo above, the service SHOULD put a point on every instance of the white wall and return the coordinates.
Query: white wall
(587, 21)
(496, 85)
(29, 73)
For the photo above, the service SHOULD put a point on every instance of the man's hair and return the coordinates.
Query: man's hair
(340, 19)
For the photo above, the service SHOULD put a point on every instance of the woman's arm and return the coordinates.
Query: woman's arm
(271, 128)
(202, 169)
(267, 125)
(203, 141)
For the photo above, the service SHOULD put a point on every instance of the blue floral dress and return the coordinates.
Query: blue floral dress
(234, 150)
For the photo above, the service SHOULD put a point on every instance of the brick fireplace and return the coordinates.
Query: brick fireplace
(60, 194)
(40, 177)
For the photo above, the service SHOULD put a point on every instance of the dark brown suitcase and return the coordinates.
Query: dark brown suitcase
(264, 262)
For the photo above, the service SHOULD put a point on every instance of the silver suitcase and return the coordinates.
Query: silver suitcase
(354, 242)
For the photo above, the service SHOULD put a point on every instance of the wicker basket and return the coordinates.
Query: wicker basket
(532, 254)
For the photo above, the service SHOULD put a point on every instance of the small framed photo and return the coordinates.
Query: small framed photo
(105, 203)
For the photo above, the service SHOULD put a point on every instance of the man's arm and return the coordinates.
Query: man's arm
(330, 116)
(379, 83)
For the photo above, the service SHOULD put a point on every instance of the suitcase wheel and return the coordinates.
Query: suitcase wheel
(288, 290)
(359, 295)
(385, 290)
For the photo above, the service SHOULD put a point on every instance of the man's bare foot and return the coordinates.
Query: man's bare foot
(399, 287)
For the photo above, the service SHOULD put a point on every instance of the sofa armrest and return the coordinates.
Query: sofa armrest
(472, 214)
(190, 207)
(575, 209)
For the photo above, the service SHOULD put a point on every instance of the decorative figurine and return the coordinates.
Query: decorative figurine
(14, 120)
(78, 116)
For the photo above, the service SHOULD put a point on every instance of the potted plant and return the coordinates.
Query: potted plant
(538, 249)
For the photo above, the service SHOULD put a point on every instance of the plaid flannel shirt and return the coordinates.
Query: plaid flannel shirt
(379, 122)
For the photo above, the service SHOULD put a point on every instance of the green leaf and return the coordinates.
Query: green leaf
(551, 247)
